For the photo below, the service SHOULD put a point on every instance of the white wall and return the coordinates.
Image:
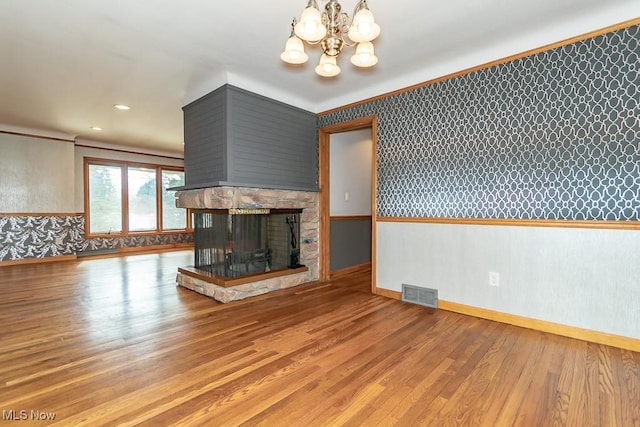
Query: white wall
(577, 277)
(36, 175)
(350, 172)
(44, 175)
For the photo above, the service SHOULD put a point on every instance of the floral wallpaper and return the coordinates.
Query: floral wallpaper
(39, 236)
(134, 241)
(23, 237)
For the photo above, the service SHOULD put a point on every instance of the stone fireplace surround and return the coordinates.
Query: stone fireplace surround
(254, 198)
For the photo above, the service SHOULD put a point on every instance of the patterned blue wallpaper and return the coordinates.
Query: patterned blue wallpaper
(552, 136)
(23, 237)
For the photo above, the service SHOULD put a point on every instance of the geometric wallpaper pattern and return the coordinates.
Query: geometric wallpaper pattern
(23, 237)
(555, 135)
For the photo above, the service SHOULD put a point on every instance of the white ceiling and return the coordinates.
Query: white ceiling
(64, 63)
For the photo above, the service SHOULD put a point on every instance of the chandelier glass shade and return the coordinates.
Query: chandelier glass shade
(294, 52)
(332, 30)
(328, 66)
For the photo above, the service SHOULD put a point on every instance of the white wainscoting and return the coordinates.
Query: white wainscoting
(584, 278)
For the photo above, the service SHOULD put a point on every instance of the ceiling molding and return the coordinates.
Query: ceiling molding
(36, 133)
(87, 143)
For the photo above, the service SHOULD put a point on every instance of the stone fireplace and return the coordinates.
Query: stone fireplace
(250, 241)
(246, 153)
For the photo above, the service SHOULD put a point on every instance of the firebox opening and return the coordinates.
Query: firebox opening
(234, 243)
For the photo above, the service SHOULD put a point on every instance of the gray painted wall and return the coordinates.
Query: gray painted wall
(350, 243)
(235, 137)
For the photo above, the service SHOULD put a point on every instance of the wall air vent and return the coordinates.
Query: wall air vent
(422, 296)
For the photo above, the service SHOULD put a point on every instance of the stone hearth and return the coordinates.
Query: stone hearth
(255, 198)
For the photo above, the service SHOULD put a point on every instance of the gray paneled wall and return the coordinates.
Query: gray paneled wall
(235, 137)
(205, 129)
(271, 142)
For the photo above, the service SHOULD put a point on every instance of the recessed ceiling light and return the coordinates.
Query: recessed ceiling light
(121, 107)
(97, 128)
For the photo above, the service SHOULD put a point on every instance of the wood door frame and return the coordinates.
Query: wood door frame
(324, 160)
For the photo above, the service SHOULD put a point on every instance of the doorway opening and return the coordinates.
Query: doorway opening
(335, 258)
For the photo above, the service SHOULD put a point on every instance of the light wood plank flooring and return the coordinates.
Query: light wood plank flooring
(114, 342)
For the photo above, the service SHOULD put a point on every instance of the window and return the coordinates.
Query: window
(173, 218)
(105, 199)
(126, 198)
(143, 209)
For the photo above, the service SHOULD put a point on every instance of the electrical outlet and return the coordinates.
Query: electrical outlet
(494, 279)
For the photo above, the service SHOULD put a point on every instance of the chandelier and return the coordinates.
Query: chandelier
(333, 30)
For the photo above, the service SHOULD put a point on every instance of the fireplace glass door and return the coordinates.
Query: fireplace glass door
(237, 243)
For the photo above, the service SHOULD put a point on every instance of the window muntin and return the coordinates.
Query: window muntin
(128, 198)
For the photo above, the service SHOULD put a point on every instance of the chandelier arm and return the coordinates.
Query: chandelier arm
(347, 41)
(293, 26)
(359, 6)
(344, 29)
(344, 33)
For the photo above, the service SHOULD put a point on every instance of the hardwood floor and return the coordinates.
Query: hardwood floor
(115, 342)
